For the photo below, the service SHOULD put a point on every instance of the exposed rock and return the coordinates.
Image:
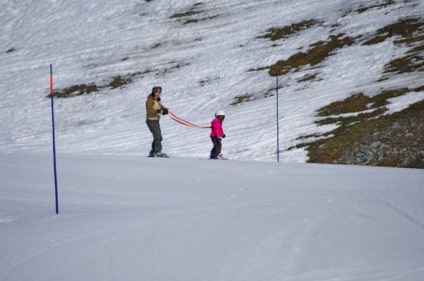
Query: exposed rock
(397, 141)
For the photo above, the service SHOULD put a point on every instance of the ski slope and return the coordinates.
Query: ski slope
(126, 217)
(131, 218)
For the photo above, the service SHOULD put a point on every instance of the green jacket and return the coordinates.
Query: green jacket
(152, 107)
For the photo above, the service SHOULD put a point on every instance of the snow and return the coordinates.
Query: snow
(124, 216)
(132, 218)
(201, 66)
(403, 102)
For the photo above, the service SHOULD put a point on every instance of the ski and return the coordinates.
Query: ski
(157, 155)
(219, 158)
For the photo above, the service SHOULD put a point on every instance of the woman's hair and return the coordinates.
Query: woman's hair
(153, 95)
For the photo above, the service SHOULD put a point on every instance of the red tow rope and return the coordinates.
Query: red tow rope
(184, 122)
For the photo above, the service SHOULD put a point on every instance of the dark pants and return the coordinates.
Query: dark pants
(154, 127)
(217, 146)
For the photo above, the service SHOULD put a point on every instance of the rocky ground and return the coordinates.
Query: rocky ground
(396, 141)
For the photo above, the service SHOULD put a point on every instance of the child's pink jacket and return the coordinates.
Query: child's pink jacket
(216, 126)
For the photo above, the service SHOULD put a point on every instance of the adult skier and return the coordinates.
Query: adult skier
(154, 110)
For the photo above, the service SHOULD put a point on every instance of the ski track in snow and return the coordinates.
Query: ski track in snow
(409, 218)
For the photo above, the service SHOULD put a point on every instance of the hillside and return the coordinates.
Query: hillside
(210, 55)
(351, 91)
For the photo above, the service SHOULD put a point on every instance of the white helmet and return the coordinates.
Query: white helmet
(219, 113)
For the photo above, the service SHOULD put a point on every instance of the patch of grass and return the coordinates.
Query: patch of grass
(359, 102)
(275, 34)
(173, 66)
(262, 68)
(76, 90)
(371, 138)
(315, 55)
(197, 20)
(409, 32)
(185, 14)
(83, 89)
(355, 103)
(418, 49)
(241, 99)
(191, 21)
(330, 150)
(307, 77)
(188, 16)
(208, 80)
(382, 5)
(119, 82)
(406, 29)
(157, 45)
(251, 97)
(409, 63)
(309, 136)
(351, 119)
(381, 99)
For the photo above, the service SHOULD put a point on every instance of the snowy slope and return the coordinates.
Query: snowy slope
(126, 217)
(131, 218)
(201, 52)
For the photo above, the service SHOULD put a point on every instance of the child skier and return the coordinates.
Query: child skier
(217, 133)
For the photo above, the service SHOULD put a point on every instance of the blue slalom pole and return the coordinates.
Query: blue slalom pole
(54, 140)
(278, 126)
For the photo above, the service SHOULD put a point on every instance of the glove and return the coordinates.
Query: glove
(165, 111)
(219, 139)
(223, 136)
